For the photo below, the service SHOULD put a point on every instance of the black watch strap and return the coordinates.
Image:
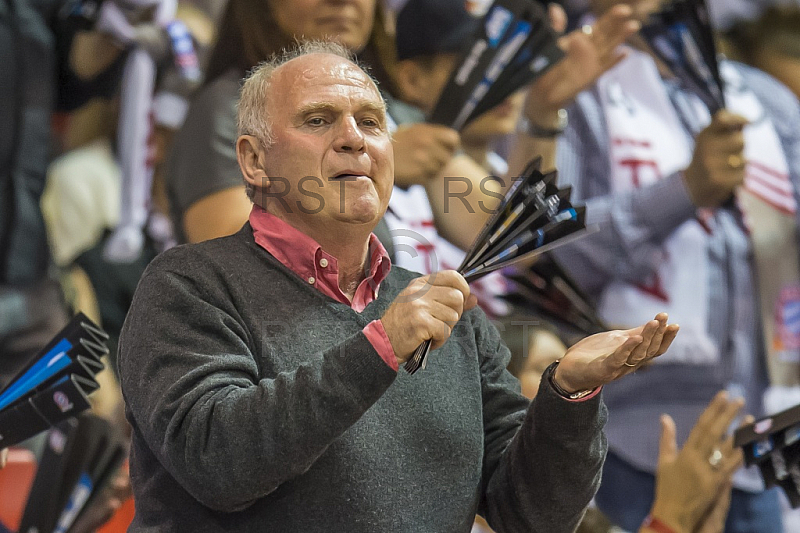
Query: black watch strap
(524, 125)
(550, 372)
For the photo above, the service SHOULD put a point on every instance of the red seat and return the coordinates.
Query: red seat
(121, 520)
(15, 485)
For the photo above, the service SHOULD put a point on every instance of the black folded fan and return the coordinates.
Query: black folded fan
(56, 384)
(81, 457)
(533, 217)
(681, 36)
(547, 290)
(773, 444)
(513, 45)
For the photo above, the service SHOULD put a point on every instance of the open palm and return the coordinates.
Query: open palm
(604, 357)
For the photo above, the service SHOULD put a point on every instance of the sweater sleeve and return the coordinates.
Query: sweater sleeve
(193, 393)
(542, 461)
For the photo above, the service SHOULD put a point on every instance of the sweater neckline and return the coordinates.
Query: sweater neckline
(385, 288)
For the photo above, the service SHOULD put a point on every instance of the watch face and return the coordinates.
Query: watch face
(579, 395)
(563, 119)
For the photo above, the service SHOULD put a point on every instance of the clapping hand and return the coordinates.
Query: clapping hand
(693, 485)
(590, 52)
(605, 357)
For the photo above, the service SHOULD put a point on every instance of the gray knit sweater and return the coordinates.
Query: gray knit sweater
(258, 404)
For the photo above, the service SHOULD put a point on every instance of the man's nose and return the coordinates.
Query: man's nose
(349, 137)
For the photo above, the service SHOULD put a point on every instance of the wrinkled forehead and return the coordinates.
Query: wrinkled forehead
(314, 75)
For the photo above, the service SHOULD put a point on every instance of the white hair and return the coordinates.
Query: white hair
(252, 114)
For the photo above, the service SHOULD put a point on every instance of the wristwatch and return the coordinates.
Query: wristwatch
(529, 128)
(550, 372)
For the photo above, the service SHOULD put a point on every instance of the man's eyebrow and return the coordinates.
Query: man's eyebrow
(380, 109)
(316, 107)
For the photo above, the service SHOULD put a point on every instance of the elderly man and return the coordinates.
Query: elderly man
(261, 370)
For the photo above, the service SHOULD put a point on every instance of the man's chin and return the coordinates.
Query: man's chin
(360, 217)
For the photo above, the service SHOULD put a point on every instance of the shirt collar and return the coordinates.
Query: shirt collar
(305, 257)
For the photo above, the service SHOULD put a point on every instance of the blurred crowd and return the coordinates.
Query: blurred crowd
(117, 141)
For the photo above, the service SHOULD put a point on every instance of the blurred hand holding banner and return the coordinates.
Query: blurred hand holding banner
(681, 36)
(514, 45)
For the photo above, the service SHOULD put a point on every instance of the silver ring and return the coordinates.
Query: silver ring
(588, 29)
(715, 459)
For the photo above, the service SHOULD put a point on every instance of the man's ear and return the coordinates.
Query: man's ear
(412, 82)
(250, 154)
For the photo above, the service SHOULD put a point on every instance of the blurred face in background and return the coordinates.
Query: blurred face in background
(641, 8)
(348, 22)
(422, 79)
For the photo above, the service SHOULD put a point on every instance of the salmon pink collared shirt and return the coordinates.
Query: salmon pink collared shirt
(305, 257)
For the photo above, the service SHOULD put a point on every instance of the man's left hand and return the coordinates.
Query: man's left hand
(604, 357)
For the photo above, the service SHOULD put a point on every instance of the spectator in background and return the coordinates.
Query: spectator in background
(32, 50)
(31, 305)
(81, 201)
(770, 43)
(657, 174)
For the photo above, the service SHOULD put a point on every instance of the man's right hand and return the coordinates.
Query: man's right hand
(428, 308)
(718, 164)
(421, 151)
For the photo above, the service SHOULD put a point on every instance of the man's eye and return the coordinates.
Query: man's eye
(370, 123)
(315, 121)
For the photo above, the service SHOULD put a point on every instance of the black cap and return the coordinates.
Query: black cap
(427, 27)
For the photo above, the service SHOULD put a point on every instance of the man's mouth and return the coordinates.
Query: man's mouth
(349, 176)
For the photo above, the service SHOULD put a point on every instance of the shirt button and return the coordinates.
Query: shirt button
(323, 262)
(311, 280)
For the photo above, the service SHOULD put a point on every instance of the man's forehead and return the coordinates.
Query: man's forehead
(319, 71)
